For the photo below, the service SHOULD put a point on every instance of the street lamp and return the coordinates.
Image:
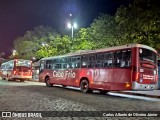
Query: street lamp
(44, 44)
(72, 26)
(14, 52)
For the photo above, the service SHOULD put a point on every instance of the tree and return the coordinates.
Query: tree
(46, 51)
(140, 22)
(25, 48)
(31, 43)
(62, 44)
(83, 41)
(104, 32)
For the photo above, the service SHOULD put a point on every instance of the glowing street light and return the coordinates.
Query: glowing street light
(14, 52)
(75, 25)
(72, 27)
(44, 44)
(70, 14)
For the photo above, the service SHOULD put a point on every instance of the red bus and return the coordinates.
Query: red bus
(127, 67)
(17, 69)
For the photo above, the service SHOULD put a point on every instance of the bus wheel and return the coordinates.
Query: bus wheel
(103, 92)
(48, 84)
(85, 86)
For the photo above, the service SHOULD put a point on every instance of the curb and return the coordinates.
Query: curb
(138, 94)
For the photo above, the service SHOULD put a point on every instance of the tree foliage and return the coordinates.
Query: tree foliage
(83, 41)
(140, 22)
(30, 45)
(104, 32)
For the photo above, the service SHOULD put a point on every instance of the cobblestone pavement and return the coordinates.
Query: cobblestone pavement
(34, 96)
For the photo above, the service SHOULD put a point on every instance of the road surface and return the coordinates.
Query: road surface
(35, 96)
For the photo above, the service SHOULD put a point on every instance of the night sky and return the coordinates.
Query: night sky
(18, 16)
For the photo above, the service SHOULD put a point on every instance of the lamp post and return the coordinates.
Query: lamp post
(72, 27)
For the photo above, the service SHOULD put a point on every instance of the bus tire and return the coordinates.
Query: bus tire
(84, 86)
(47, 81)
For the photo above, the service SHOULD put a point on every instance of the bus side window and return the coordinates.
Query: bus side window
(122, 58)
(100, 60)
(108, 60)
(46, 64)
(10, 65)
(58, 66)
(84, 63)
(72, 63)
(3, 67)
(64, 65)
(53, 66)
(91, 63)
(49, 64)
(117, 58)
(77, 65)
(126, 58)
(78, 62)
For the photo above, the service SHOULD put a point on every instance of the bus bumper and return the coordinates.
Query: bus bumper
(21, 77)
(138, 86)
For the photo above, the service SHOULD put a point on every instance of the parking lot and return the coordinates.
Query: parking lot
(35, 96)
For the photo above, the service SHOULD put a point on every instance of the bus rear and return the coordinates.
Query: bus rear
(22, 70)
(145, 72)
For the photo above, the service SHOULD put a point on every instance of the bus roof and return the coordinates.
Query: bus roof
(13, 60)
(81, 52)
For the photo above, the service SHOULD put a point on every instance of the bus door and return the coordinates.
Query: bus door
(148, 67)
(41, 71)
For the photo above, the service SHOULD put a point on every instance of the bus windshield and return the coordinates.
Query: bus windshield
(25, 63)
(147, 55)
